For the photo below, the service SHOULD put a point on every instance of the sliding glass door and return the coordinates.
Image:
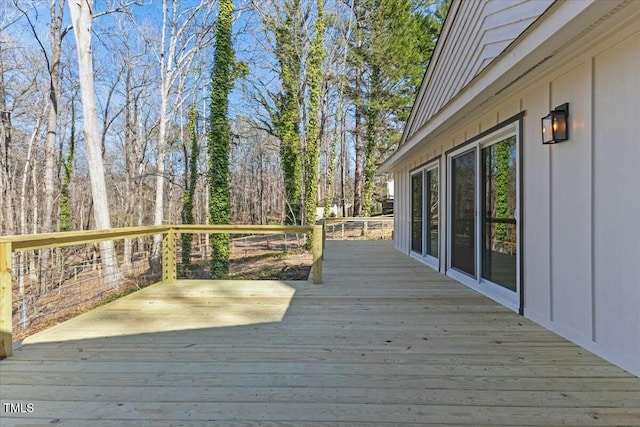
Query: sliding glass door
(416, 212)
(499, 234)
(432, 212)
(425, 213)
(483, 234)
(463, 213)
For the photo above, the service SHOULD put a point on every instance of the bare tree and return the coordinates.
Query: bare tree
(185, 32)
(7, 218)
(6, 195)
(81, 16)
(257, 193)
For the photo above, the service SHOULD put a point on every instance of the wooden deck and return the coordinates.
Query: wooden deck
(385, 341)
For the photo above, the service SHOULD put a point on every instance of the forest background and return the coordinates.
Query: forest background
(313, 93)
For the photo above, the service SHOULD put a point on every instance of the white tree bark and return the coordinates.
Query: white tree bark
(184, 33)
(81, 15)
(55, 40)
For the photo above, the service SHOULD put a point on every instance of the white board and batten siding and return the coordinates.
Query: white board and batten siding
(580, 198)
(582, 202)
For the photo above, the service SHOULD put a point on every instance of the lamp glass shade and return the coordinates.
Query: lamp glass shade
(559, 125)
(547, 130)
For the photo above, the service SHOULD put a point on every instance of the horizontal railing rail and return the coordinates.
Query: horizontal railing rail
(344, 224)
(359, 219)
(11, 244)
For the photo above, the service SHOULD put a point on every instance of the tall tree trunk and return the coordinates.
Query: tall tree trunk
(261, 200)
(165, 67)
(343, 166)
(55, 40)
(373, 120)
(332, 153)
(358, 48)
(65, 196)
(314, 128)
(23, 219)
(219, 141)
(130, 165)
(158, 212)
(360, 155)
(287, 121)
(179, 29)
(81, 15)
(191, 180)
(7, 219)
(25, 177)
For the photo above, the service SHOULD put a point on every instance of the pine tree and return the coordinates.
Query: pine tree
(219, 140)
(389, 53)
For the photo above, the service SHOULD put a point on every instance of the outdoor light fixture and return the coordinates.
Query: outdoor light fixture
(554, 126)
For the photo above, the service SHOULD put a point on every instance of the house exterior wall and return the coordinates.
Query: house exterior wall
(580, 198)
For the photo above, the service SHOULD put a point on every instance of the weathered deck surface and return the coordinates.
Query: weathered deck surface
(384, 342)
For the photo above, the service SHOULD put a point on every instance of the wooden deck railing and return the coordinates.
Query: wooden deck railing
(11, 244)
(346, 223)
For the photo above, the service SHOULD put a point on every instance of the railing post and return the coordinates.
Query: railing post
(318, 253)
(169, 272)
(6, 304)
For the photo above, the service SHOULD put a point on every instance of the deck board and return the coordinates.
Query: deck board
(384, 341)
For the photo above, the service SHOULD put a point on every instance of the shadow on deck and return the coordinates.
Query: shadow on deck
(384, 341)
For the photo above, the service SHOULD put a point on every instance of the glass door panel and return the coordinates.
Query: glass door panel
(499, 204)
(432, 220)
(463, 202)
(416, 212)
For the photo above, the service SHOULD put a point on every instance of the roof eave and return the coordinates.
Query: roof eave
(533, 46)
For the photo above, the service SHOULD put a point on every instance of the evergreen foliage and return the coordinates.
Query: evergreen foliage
(192, 179)
(219, 140)
(503, 158)
(390, 50)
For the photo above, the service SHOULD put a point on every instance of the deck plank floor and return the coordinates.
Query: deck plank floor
(385, 341)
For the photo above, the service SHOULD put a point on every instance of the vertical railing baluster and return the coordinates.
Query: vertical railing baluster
(169, 272)
(6, 303)
(318, 248)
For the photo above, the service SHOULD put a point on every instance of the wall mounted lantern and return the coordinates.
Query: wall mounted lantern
(555, 125)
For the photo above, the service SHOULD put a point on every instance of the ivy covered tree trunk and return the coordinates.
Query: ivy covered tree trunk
(192, 180)
(357, 62)
(371, 142)
(219, 140)
(287, 122)
(65, 197)
(332, 156)
(314, 131)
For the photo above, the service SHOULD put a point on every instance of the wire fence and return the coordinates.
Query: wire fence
(373, 228)
(254, 257)
(51, 285)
